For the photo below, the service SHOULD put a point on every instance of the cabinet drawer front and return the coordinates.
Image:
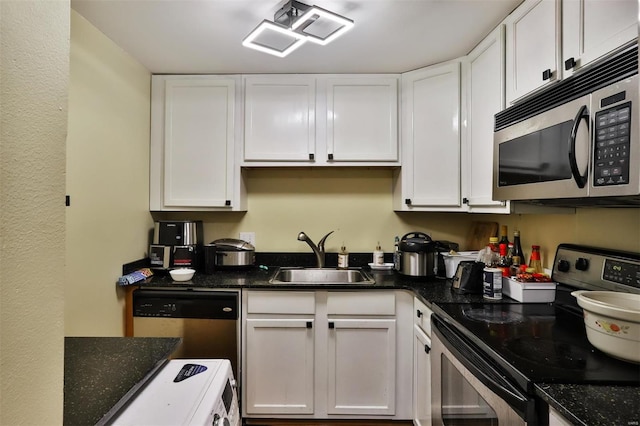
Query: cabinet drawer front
(422, 316)
(281, 302)
(361, 303)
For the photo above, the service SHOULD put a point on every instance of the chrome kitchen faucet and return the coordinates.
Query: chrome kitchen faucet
(318, 250)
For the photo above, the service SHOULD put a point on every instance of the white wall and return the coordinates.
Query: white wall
(34, 69)
(107, 178)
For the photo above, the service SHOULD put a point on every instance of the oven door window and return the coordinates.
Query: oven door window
(540, 156)
(461, 403)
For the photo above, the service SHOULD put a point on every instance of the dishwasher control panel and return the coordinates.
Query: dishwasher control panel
(185, 304)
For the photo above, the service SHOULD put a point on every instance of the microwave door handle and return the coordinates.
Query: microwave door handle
(581, 180)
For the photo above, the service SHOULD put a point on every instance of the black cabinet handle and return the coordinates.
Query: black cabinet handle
(330, 156)
(569, 63)
(332, 325)
(311, 156)
(227, 202)
(407, 201)
(427, 349)
(418, 313)
(546, 74)
(309, 324)
(465, 200)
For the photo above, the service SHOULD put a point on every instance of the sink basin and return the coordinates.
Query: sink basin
(318, 276)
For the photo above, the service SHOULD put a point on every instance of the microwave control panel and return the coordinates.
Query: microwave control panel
(613, 144)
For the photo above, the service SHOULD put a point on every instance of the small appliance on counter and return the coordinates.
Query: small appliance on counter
(468, 277)
(228, 253)
(419, 255)
(176, 244)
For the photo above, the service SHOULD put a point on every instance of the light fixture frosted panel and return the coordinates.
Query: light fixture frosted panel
(321, 26)
(274, 39)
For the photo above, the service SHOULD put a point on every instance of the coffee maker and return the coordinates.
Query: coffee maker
(176, 244)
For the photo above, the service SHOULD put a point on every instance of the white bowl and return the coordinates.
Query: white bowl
(612, 321)
(183, 274)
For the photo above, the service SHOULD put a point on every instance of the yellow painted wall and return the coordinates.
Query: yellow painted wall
(34, 70)
(356, 203)
(353, 202)
(107, 178)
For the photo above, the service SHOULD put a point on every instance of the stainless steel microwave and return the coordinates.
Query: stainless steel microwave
(575, 144)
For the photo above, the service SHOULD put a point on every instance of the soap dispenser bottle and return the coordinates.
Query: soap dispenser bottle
(343, 258)
(378, 255)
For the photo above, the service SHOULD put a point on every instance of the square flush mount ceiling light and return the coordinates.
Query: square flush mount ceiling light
(294, 24)
(275, 39)
(321, 26)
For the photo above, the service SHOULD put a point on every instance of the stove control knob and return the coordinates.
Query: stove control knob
(564, 266)
(582, 264)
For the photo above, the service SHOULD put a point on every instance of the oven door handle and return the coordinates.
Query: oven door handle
(583, 114)
(481, 369)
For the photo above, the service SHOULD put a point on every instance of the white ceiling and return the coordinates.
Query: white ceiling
(205, 36)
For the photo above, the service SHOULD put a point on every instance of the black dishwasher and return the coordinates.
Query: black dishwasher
(205, 319)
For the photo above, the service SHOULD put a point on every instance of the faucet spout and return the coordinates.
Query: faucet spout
(318, 250)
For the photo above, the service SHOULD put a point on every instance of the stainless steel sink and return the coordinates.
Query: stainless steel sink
(320, 276)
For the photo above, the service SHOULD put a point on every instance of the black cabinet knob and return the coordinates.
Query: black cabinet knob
(312, 156)
(546, 74)
(418, 313)
(330, 156)
(569, 64)
(227, 202)
(407, 201)
(427, 349)
(309, 324)
(332, 325)
(465, 200)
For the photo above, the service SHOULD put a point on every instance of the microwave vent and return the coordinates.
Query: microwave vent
(615, 68)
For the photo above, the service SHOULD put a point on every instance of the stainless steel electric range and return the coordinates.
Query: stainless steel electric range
(487, 357)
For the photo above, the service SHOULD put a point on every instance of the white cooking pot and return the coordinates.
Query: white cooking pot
(612, 321)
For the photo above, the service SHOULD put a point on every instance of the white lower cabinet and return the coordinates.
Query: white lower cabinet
(274, 346)
(421, 365)
(326, 354)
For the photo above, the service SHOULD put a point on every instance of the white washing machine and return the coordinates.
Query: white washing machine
(186, 392)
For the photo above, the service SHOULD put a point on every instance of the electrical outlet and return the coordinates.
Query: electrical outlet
(249, 237)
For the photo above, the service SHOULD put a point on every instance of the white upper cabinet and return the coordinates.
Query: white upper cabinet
(321, 120)
(593, 28)
(362, 119)
(430, 174)
(280, 113)
(194, 126)
(483, 85)
(533, 47)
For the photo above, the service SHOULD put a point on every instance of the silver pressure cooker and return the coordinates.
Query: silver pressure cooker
(418, 255)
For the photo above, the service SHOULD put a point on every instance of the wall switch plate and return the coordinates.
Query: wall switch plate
(249, 237)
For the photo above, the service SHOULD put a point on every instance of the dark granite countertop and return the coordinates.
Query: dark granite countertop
(582, 404)
(591, 405)
(100, 373)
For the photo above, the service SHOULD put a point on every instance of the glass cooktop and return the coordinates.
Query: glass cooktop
(537, 343)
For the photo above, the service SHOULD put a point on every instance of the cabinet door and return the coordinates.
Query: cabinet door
(593, 28)
(362, 119)
(533, 41)
(193, 137)
(279, 359)
(484, 86)
(361, 366)
(280, 118)
(431, 137)
(421, 378)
